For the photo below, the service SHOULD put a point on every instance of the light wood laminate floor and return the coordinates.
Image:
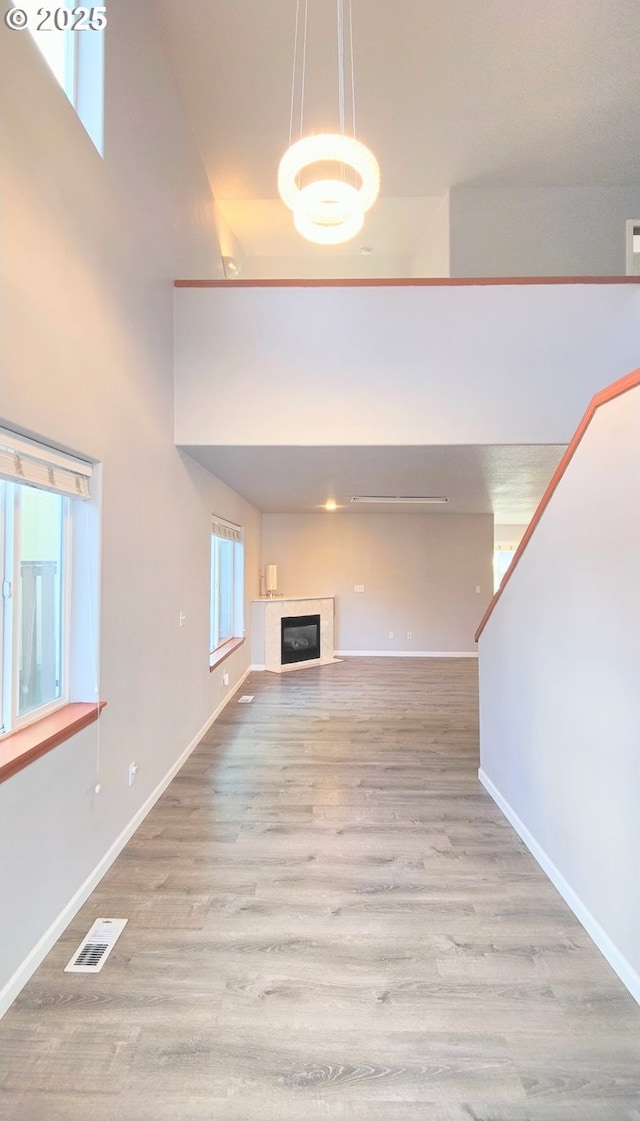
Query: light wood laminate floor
(329, 919)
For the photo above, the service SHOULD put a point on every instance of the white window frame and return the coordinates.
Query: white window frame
(222, 530)
(71, 67)
(498, 576)
(11, 632)
(25, 462)
(83, 79)
(632, 253)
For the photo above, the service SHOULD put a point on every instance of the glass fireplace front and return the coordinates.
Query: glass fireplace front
(300, 641)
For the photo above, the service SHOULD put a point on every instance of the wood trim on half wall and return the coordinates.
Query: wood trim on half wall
(616, 389)
(408, 282)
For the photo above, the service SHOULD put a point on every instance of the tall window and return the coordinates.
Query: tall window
(227, 582)
(55, 41)
(71, 40)
(502, 557)
(39, 491)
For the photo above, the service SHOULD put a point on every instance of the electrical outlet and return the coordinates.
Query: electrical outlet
(133, 770)
(225, 679)
(182, 618)
(409, 634)
(390, 634)
(477, 589)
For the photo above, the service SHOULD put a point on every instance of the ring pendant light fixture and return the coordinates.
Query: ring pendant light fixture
(328, 180)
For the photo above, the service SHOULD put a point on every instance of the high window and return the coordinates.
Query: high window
(227, 583)
(70, 38)
(41, 495)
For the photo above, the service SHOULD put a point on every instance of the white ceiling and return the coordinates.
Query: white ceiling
(507, 481)
(448, 92)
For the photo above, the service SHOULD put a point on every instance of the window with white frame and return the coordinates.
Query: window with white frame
(633, 247)
(502, 557)
(71, 40)
(41, 492)
(227, 582)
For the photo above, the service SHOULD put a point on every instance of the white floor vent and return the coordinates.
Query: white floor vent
(245, 699)
(94, 950)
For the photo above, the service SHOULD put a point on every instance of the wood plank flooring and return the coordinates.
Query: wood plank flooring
(329, 920)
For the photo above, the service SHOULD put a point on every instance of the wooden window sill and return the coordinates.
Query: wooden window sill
(19, 749)
(223, 651)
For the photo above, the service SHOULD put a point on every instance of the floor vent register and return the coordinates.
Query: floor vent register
(94, 950)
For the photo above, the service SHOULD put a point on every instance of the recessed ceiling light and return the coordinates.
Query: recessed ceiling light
(407, 498)
(331, 504)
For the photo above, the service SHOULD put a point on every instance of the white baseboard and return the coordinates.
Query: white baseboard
(607, 947)
(386, 654)
(406, 653)
(311, 664)
(33, 959)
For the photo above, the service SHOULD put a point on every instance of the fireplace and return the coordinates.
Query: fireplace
(300, 638)
(267, 618)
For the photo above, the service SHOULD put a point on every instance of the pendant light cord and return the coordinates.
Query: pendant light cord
(341, 69)
(304, 64)
(295, 68)
(341, 65)
(293, 75)
(353, 77)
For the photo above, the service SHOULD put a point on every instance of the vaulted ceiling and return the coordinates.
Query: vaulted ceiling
(449, 93)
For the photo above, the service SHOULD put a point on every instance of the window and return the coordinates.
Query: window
(71, 40)
(633, 247)
(56, 45)
(502, 557)
(41, 492)
(227, 583)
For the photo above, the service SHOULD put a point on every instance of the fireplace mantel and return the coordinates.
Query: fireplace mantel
(266, 616)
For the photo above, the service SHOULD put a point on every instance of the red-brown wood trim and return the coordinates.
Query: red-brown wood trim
(19, 749)
(223, 651)
(623, 385)
(408, 282)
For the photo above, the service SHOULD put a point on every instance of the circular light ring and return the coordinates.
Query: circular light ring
(324, 234)
(329, 148)
(329, 202)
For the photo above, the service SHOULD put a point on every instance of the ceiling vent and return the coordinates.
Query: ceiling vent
(426, 499)
(94, 950)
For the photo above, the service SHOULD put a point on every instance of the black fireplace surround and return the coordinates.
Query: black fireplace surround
(300, 639)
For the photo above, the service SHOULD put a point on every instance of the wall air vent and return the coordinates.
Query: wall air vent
(94, 950)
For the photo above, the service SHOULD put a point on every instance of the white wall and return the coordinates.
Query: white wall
(89, 252)
(403, 365)
(431, 253)
(540, 231)
(419, 572)
(560, 686)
